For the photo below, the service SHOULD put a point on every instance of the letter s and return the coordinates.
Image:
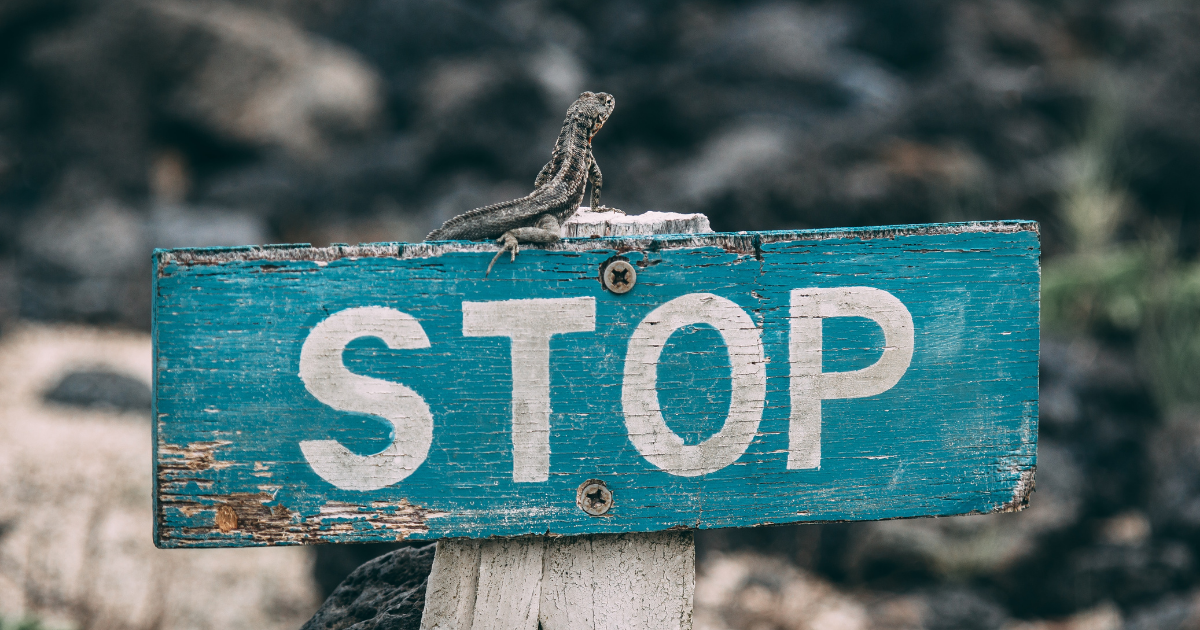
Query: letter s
(328, 380)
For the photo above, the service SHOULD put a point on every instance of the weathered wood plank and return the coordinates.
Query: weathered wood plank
(775, 418)
(618, 582)
(453, 585)
(568, 584)
(510, 584)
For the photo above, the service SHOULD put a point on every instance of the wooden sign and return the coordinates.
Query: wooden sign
(598, 385)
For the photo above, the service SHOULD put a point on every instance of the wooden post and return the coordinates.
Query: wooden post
(597, 582)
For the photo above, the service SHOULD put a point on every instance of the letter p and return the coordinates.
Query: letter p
(809, 385)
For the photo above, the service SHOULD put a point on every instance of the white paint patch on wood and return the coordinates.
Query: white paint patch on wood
(586, 223)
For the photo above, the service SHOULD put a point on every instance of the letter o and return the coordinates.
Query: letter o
(639, 393)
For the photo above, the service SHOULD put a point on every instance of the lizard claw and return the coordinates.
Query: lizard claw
(509, 244)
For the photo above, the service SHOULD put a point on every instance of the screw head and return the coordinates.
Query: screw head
(594, 497)
(619, 276)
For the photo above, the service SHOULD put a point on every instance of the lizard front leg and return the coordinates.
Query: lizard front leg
(596, 179)
(546, 230)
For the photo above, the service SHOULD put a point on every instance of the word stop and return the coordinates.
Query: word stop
(531, 323)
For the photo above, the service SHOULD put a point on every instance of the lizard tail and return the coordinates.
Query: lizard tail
(468, 225)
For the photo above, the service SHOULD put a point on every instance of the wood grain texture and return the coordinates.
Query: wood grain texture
(955, 434)
(510, 583)
(601, 582)
(453, 585)
(588, 224)
(617, 582)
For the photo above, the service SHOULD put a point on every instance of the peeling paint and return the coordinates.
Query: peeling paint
(749, 244)
(249, 518)
(1024, 488)
(195, 457)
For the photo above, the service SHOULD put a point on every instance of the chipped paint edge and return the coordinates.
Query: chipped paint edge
(736, 242)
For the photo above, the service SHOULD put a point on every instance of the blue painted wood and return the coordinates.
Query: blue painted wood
(956, 434)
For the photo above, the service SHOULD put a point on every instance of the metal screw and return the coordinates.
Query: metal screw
(594, 497)
(619, 276)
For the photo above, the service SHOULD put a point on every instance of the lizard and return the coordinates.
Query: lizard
(558, 188)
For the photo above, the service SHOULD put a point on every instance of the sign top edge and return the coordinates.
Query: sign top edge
(742, 242)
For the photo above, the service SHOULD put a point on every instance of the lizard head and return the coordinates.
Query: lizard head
(591, 110)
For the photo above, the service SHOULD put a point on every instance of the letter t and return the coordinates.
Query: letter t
(530, 324)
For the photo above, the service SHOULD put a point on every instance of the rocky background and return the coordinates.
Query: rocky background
(128, 125)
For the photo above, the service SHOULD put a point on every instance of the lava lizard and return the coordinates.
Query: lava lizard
(558, 189)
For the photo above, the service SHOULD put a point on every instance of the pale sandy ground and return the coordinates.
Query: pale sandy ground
(75, 516)
(747, 591)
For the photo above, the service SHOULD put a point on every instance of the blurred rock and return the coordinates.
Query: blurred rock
(891, 553)
(86, 256)
(754, 591)
(1129, 575)
(102, 389)
(387, 593)
(1103, 617)
(1097, 405)
(945, 608)
(265, 82)
(248, 76)
(333, 563)
(199, 226)
(1130, 528)
(1175, 612)
(1174, 451)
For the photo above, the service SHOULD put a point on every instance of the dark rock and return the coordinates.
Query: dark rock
(1129, 575)
(387, 593)
(91, 262)
(957, 608)
(942, 608)
(99, 389)
(334, 563)
(1174, 451)
(1174, 612)
(761, 114)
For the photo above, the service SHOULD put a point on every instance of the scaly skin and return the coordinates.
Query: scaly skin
(558, 189)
